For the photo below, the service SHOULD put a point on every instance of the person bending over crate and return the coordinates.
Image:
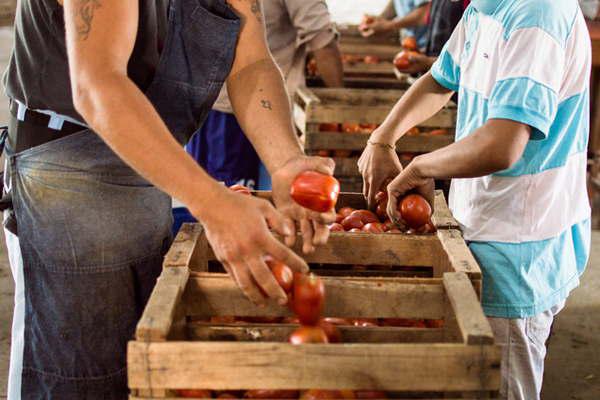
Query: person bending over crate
(102, 99)
(518, 165)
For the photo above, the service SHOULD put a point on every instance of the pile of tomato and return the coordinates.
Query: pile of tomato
(403, 59)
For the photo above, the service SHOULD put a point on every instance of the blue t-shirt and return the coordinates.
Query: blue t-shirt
(404, 7)
(528, 226)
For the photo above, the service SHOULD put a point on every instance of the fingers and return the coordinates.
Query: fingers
(321, 233)
(264, 278)
(366, 187)
(373, 188)
(392, 206)
(323, 165)
(307, 232)
(322, 218)
(278, 222)
(245, 282)
(279, 252)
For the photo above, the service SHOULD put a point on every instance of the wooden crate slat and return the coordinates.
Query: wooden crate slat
(188, 240)
(159, 315)
(456, 254)
(474, 326)
(357, 142)
(403, 367)
(442, 216)
(281, 332)
(383, 51)
(217, 294)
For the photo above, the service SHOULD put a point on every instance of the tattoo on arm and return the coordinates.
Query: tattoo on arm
(255, 8)
(84, 14)
(266, 104)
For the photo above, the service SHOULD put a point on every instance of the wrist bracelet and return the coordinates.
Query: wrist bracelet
(383, 145)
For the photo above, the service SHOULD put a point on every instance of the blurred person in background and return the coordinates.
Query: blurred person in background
(406, 16)
(294, 29)
(591, 9)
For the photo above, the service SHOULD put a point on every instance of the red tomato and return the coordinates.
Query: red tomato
(324, 153)
(283, 274)
(370, 394)
(438, 132)
(308, 334)
(388, 226)
(333, 333)
(365, 322)
(413, 132)
(373, 227)
(194, 393)
(329, 127)
(353, 222)
(315, 191)
(336, 227)
(371, 59)
(368, 127)
(350, 127)
(365, 216)
(318, 394)
(229, 396)
(355, 230)
(381, 210)
(342, 153)
(241, 189)
(345, 211)
(434, 323)
(271, 394)
(402, 60)
(308, 298)
(339, 218)
(409, 43)
(381, 197)
(415, 210)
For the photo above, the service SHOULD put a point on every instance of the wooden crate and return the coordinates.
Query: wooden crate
(175, 349)
(349, 34)
(7, 12)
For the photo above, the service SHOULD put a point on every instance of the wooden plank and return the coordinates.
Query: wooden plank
(281, 332)
(369, 249)
(405, 367)
(161, 310)
(185, 244)
(474, 326)
(349, 33)
(455, 255)
(442, 216)
(383, 51)
(384, 69)
(214, 294)
(357, 142)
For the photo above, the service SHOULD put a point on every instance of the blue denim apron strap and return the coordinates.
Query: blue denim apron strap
(197, 58)
(92, 235)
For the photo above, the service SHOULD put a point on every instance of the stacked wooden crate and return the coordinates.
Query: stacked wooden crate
(7, 12)
(328, 120)
(182, 341)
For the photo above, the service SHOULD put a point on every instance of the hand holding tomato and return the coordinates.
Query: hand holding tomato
(377, 165)
(312, 224)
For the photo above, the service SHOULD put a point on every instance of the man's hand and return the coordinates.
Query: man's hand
(238, 231)
(411, 179)
(378, 164)
(419, 63)
(372, 25)
(313, 225)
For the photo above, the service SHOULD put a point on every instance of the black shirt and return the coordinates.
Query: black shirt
(444, 16)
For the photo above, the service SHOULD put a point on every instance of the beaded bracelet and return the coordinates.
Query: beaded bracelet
(384, 145)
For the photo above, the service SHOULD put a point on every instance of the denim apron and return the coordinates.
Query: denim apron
(93, 232)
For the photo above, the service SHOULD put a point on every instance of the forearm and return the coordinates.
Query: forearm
(494, 147)
(420, 102)
(329, 64)
(262, 107)
(117, 111)
(389, 12)
(416, 17)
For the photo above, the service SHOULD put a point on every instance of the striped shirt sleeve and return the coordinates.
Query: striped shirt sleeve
(446, 69)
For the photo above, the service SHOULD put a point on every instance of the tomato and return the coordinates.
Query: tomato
(371, 60)
(434, 323)
(229, 396)
(194, 393)
(370, 394)
(438, 132)
(365, 216)
(373, 227)
(350, 59)
(345, 211)
(282, 273)
(315, 191)
(402, 60)
(333, 333)
(337, 321)
(308, 334)
(409, 43)
(415, 210)
(329, 127)
(381, 197)
(339, 218)
(241, 189)
(414, 131)
(318, 394)
(323, 153)
(335, 227)
(388, 226)
(271, 394)
(348, 127)
(308, 298)
(368, 127)
(353, 222)
(342, 153)
(381, 210)
(355, 230)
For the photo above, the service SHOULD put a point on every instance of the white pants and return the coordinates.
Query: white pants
(523, 343)
(18, 326)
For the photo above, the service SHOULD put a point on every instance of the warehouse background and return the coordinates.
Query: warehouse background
(573, 365)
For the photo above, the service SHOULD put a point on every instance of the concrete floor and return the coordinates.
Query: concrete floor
(573, 363)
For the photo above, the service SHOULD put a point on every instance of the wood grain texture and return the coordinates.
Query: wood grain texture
(455, 254)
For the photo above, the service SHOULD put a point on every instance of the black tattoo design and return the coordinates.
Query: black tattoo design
(84, 14)
(255, 8)
(266, 104)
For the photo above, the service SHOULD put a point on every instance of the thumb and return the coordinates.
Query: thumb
(319, 164)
